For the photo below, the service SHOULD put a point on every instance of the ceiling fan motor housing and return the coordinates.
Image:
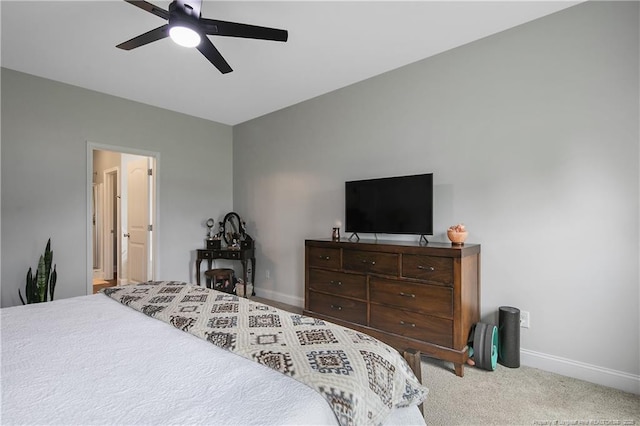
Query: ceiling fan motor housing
(184, 16)
(190, 7)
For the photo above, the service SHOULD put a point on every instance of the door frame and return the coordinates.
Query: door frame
(97, 230)
(155, 194)
(111, 191)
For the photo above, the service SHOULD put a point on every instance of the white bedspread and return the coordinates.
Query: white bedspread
(70, 362)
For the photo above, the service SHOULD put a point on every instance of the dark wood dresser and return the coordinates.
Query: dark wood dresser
(411, 296)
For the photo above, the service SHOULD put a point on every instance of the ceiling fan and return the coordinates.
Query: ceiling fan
(187, 28)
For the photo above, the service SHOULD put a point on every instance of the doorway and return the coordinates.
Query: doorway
(122, 219)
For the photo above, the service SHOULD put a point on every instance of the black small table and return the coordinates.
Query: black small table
(243, 255)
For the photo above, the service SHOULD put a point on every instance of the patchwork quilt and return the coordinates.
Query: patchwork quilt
(360, 377)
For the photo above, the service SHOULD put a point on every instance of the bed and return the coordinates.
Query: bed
(93, 360)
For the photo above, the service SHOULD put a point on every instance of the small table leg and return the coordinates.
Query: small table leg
(244, 276)
(209, 280)
(253, 276)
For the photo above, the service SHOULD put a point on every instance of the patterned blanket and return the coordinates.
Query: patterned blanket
(361, 378)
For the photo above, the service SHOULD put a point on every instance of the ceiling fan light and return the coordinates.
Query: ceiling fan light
(184, 36)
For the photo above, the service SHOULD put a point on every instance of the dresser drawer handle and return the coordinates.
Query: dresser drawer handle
(373, 262)
(407, 295)
(408, 324)
(324, 257)
(426, 268)
(336, 307)
(335, 282)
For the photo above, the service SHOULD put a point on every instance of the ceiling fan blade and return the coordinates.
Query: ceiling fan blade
(211, 53)
(146, 38)
(234, 29)
(150, 8)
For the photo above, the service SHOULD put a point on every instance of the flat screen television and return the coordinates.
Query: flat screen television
(392, 205)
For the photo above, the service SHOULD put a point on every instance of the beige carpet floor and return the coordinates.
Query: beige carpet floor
(521, 396)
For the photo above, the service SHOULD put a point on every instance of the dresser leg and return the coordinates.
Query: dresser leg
(413, 358)
(459, 369)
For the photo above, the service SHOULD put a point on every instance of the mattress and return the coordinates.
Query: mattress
(90, 360)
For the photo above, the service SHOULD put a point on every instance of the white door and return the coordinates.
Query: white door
(138, 221)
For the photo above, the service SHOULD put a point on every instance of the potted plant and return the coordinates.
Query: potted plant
(43, 284)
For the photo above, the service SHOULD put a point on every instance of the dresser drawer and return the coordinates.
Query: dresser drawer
(345, 309)
(423, 298)
(230, 254)
(321, 257)
(205, 254)
(338, 283)
(370, 262)
(413, 325)
(429, 268)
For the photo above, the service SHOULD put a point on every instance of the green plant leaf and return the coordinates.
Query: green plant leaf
(42, 280)
(48, 258)
(52, 282)
(32, 288)
(27, 287)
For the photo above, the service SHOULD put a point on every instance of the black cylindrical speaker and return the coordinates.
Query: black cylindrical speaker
(509, 337)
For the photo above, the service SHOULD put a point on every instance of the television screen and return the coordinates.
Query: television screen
(394, 205)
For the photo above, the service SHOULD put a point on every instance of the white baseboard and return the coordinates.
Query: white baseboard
(280, 297)
(579, 370)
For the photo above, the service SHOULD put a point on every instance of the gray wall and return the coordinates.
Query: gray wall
(45, 129)
(532, 136)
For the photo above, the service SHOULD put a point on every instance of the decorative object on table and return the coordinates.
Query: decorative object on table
(43, 282)
(232, 227)
(210, 223)
(213, 240)
(457, 234)
(335, 235)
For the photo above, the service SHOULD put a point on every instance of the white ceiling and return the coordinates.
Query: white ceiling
(331, 44)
